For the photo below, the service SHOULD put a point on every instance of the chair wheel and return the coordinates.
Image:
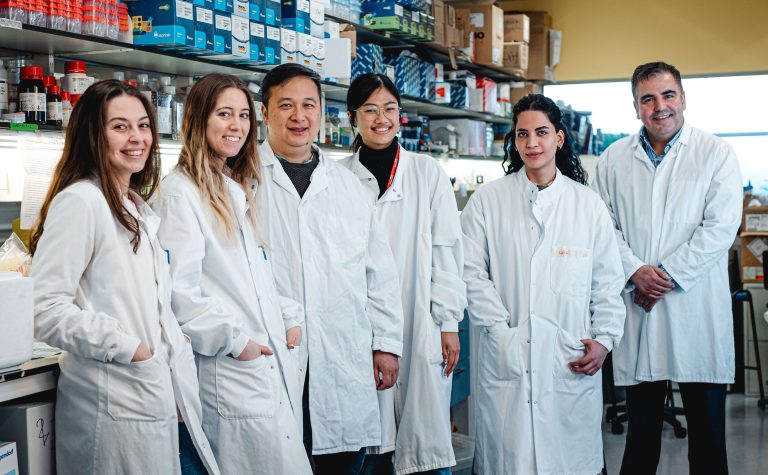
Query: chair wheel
(617, 428)
(680, 432)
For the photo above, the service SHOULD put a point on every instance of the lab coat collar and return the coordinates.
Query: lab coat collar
(237, 197)
(541, 197)
(138, 208)
(395, 192)
(318, 180)
(637, 145)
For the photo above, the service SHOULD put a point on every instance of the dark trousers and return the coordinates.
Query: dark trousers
(191, 464)
(704, 406)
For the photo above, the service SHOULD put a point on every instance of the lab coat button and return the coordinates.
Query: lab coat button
(535, 402)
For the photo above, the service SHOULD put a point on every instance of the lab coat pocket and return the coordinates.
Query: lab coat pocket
(567, 348)
(246, 389)
(136, 391)
(570, 270)
(500, 357)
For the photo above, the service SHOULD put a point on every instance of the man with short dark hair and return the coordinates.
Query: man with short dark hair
(330, 256)
(675, 195)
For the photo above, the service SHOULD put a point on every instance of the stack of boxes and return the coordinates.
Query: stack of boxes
(407, 73)
(409, 18)
(302, 33)
(516, 37)
(543, 47)
(242, 31)
(483, 27)
(369, 58)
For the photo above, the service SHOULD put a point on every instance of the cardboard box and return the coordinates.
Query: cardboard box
(517, 27)
(517, 93)
(438, 11)
(273, 13)
(752, 248)
(30, 425)
(272, 45)
(316, 19)
(538, 56)
(487, 23)
(9, 459)
(258, 43)
(289, 46)
(338, 64)
(439, 37)
(256, 11)
(203, 29)
(450, 15)
(755, 219)
(224, 6)
(241, 8)
(348, 31)
(454, 37)
(516, 58)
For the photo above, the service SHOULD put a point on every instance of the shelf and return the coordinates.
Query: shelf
(389, 40)
(28, 39)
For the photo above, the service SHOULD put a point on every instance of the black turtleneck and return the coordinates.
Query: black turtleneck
(379, 163)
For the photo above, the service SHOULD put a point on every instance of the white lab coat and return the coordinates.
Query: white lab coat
(543, 272)
(97, 300)
(224, 295)
(331, 256)
(683, 215)
(419, 216)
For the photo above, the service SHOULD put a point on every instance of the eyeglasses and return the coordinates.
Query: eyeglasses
(372, 112)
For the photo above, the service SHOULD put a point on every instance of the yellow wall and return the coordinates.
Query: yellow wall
(606, 39)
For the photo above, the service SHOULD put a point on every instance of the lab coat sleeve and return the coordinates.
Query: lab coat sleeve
(606, 304)
(68, 243)
(211, 328)
(484, 302)
(630, 262)
(293, 312)
(714, 236)
(384, 307)
(448, 291)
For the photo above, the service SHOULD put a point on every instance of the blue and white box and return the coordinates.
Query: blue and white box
(296, 15)
(273, 13)
(272, 45)
(170, 24)
(316, 19)
(203, 29)
(202, 3)
(258, 43)
(222, 35)
(225, 6)
(306, 49)
(289, 46)
(241, 38)
(318, 55)
(241, 8)
(256, 11)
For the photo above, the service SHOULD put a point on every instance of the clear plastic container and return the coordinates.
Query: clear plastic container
(14, 10)
(57, 15)
(74, 14)
(94, 18)
(38, 13)
(113, 29)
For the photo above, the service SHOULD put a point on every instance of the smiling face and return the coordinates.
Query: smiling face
(378, 119)
(228, 123)
(659, 105)
(537, 142)
(128, 135)
(293, 118)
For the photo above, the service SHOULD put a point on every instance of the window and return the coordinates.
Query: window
(733, 107)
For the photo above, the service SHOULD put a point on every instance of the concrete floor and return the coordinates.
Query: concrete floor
(746, 438)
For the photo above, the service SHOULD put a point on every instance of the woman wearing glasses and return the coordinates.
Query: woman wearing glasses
(416, 205)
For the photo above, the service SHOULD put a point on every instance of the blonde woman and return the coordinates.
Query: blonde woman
(224, 294)
(127, 373)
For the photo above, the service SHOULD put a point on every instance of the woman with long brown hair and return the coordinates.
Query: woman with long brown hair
(102, 294)
(224, 293)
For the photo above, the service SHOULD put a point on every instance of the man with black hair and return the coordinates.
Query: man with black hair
(330, 256)
(675, 196)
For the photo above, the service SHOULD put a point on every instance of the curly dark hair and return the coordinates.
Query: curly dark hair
(566, 160)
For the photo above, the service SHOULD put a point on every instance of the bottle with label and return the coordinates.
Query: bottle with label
(178, 109)
(14, 77)
(54, 107)
(142, 84)
(3, 89)
(75, 80)
(165, 106)
(32, 97)
(66, 108)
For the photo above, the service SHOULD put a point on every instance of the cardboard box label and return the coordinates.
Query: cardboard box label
(477, 20)
(756, 222)
(753, 273)
(204, 15)
(757, 247)
(223, 22)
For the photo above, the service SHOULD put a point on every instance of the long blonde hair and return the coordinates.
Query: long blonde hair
(198, 161)
(86, 155)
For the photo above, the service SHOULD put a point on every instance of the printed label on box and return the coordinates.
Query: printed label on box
(756, 222)
(257, 29)
(273, 33)
(477, 20)
(224, 22)
(398, 10)
(753, 273)
(184, 10)
(204, 15)
(757, 247)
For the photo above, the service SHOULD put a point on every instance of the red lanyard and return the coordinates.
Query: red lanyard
(394, 168)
